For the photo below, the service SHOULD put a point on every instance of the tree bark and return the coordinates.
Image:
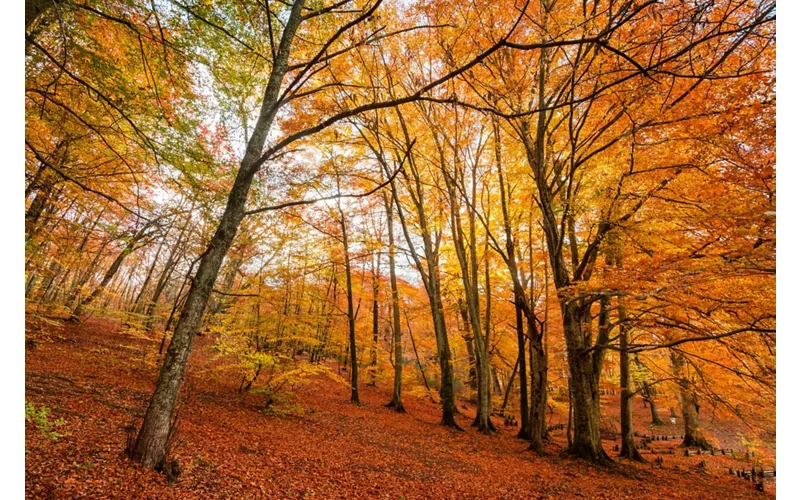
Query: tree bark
(150, 448)
(397, 393)
(351, 319)
(649, 395)
(430, 277)
(628, 448)
(472, 375)
(690, 407)
(373, 355)
(524, 412)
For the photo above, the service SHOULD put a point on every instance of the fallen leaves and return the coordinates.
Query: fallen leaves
(228, 448)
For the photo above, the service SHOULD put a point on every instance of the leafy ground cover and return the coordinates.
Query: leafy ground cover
(97, 377)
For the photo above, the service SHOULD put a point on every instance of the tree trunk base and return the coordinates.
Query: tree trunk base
(489, 426)
(450, 421)
(397, 405)
(586, 452)
(537, 448)
(696, 442)
(632, 454)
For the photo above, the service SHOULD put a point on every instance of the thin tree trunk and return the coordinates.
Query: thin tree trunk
(469, 341)
(416, 355)
(149, 276)
(509, 385)
(397, 393)
(373, 355)
(351, 319)
(112, 271)
(648, 395)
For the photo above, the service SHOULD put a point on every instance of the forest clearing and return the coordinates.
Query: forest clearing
(400, 249)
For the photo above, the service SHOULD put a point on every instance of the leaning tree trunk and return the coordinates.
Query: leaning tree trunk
(112, 271)
(150, 448)
(690, 407)
(524, 413)
(137, 302)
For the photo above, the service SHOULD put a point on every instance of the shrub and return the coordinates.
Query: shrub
(40, 418)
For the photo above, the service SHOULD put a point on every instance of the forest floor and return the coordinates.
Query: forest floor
(98, 378)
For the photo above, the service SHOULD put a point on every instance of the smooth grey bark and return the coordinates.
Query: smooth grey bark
(150, 448)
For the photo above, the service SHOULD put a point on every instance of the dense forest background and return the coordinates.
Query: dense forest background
(549, 211)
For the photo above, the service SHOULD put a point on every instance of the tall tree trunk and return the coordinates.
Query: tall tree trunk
(373, 355)
(150, 448)
(397, 393)
(472, 374)
(538, 387)
(469, 278)
(351, 318)
(586, 418)
(509, 385)
(524, 412)
(628, 448)
(430, 277)
(521, 304)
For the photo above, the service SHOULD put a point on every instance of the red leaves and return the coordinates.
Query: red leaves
(227, 448)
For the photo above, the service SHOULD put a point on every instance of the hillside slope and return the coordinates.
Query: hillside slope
(98, 379)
